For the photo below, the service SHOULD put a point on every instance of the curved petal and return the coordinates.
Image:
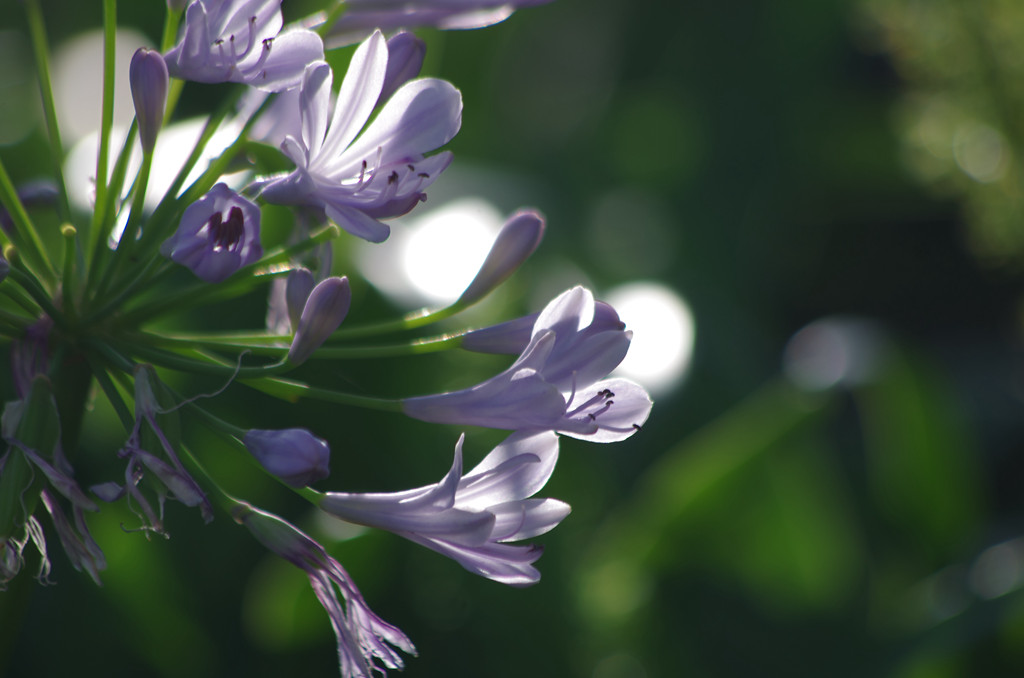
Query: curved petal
(584, 362)
(535, 517)
(357, 223)
(421, 116)
(567, 314)
(289, 55)
(356, 99)
(314, 104)
(629, 408)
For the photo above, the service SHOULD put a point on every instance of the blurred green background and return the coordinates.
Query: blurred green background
(834, 489)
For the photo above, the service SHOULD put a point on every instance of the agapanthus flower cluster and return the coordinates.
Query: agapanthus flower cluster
(110, 310)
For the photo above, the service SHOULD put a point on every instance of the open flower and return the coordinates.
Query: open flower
(472, 518)
(239, 41)
(557, 382)
(218, 234)
(356, 178)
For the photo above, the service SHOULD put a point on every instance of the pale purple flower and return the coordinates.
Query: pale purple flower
(294, 455)
(557, 383)
(323, 311)
(147, 75)
(366, 643)
(358, 178)
(240, 41)
(362, 16)
(218, 234)
(513, 336)
(472, 518)
(517, 240)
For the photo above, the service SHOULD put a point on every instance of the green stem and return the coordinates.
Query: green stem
(191, 296)
(42, 53)
(411, 321)
(25, 236)
(204, 363)
(107, 120)
(68, 279)
(332, 18)
(38, 294)
(417, 347)
(292, 391)
(20, 299)
(127, 242)
(98, 246)
(113, 397)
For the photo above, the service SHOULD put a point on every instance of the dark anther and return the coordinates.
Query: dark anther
(393, 177)
(267, 42)
(424, 175)
(226, 234)
(637, 426)
(592, 417)
(219, 41)
(411, 167)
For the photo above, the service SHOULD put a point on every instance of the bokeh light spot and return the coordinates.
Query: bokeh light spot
(981, 152)
(78, 82)
(663, 334)
(432, 257)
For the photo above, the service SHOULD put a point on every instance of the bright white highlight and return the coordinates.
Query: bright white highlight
(431, 258)
(78, 82)
(663, 334)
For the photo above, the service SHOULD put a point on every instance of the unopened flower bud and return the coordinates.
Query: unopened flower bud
(515, 243)
(294, 455)
(297, 291)
(325, 308)
(405, 59)
(148, 77)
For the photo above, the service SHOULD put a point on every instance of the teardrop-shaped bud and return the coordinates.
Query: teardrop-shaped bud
(148, 77)
(515, 243)
(325, 308)
(294, 455)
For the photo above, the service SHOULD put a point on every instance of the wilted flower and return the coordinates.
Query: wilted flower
(556, 383)
(294, 455)
(356, 178)
(364, 639)
(472, 518)
(147, 75)
(238, 41)
(218, 234)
